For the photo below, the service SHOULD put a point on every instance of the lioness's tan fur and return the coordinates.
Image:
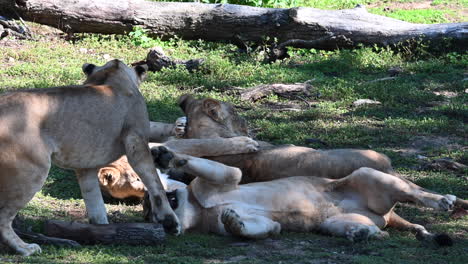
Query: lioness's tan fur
(79, 127)
(210, 118)
(357, 206)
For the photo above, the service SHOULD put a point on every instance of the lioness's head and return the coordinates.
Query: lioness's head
(209, 118)
(115, 71)
(120, 180)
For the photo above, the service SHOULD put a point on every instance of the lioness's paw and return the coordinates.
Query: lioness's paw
(440, 202)
(179, 128)
(29, 249)
(358, 233)
(246, 144)
(232, 222)
(161, 157)
(447, 202)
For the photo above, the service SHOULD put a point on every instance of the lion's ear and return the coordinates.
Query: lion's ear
(141, 71)
(184, 101)
(88, 68)
(212, 108)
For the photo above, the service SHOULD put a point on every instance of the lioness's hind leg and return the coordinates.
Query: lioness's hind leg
(382, 191)
(16, 189)
(255, 227)
(422, 234)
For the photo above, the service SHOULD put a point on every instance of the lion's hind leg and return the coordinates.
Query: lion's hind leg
(248, 226)
(21, 176)
(10, 203)
(422, 234)
(9, 237)
(354, 227)
(382, 191)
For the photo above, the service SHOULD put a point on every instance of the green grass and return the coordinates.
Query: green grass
(414, 114)
(426, 16)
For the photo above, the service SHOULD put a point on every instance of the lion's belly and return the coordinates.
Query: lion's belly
(86, 156)
(293, 202)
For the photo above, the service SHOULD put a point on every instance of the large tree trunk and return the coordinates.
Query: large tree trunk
(299, 27)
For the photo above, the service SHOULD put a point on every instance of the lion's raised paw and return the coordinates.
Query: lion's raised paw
(180, 125)
(232, 222)
(246, 144)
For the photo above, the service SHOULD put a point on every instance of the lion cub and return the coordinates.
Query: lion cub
(80, 127)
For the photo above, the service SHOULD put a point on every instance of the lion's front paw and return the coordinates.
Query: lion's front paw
(232, 222)
(161, 157)
(29, 249)
(179, 128)
(245, 144)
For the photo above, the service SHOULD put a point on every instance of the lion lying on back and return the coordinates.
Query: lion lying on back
(357, 206)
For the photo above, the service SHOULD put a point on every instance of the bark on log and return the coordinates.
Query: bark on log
(122, 233)
(298, 27)
(258, 92)
(157, 60)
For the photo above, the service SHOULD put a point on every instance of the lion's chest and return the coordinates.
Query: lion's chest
(86, 156)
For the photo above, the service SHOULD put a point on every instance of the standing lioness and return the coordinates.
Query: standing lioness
(79, 127)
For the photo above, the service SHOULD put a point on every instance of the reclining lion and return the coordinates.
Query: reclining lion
(357, 206)
(80, 127)
(210, 118)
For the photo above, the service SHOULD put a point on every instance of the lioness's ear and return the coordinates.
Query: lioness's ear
(141, 71)
(184, 101)
(88, 68)
(212, 108)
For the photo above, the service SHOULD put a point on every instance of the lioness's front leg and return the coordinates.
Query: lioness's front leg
(240, 224)
(89, 185)
(208, 170)
(211, 146)
(139, 157)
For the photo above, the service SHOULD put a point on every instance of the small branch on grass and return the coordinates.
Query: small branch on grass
(11, 28)
(382, 79)
(445, 164)
(280, 51)
(261, 91)
(157, 60)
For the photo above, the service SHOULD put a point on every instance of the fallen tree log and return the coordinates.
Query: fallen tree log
(296, 27)
(122, 233)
